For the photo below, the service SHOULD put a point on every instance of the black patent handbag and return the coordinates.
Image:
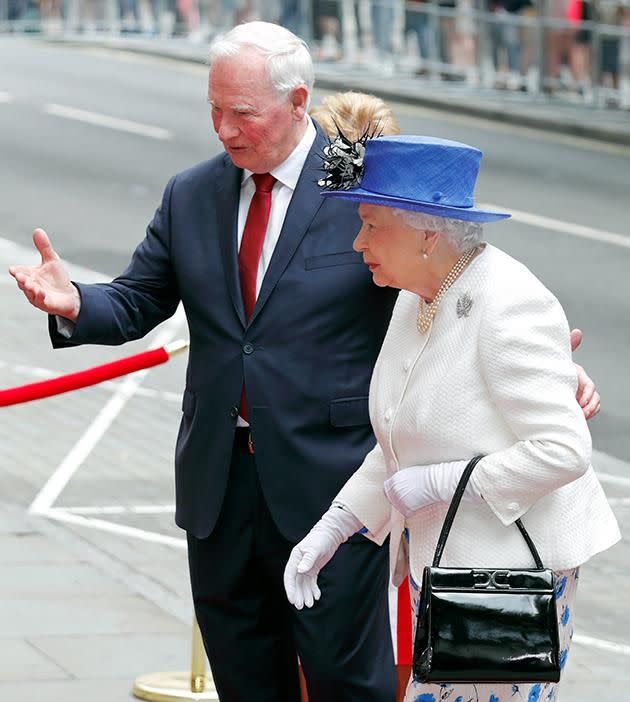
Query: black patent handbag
(486, 624)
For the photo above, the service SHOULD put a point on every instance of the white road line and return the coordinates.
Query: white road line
(121, 509)
(5, 97)
(613, 479)
(602, 644)
(61, 515)
(100, 120)
(82, 449)
(558, 225)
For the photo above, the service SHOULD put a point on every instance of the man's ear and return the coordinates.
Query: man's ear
(299, 101)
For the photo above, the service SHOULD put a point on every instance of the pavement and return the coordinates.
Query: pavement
(94, 590)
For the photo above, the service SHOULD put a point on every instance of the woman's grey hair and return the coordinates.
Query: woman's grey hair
(462, 235)
(288, 59)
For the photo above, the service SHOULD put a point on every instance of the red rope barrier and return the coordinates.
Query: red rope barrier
(84, 378)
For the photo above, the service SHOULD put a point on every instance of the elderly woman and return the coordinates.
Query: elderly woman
(476, 361)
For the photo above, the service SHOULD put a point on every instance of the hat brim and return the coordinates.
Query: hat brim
(468, 214)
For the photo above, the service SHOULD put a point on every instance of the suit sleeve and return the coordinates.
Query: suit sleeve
(363, 495)
(526, 362)
(142, 297)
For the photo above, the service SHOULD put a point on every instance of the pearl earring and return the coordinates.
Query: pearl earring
(425, 255)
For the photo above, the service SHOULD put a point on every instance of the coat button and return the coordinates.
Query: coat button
(388, 415)
(234, 412)
(513, 506)
(248, 348)
(406, 365)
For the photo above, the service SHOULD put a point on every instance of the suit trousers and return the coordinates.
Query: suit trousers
(253, 636)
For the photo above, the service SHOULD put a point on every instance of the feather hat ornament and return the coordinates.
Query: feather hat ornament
(342, 160)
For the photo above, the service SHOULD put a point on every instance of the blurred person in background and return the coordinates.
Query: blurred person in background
(291, 15)
(50, 16)
(614, 50)
(418, 21)
(578, 12)
(382, 21)
(558, 43)
(507, 37)
(327, 29)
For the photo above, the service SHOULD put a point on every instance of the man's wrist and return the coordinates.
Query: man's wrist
(77, 304)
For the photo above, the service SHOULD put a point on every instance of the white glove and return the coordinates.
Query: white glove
(313, 552)
(415, 487)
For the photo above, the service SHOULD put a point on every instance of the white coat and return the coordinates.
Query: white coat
(493, 376)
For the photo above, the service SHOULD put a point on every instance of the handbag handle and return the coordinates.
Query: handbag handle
(452, 511)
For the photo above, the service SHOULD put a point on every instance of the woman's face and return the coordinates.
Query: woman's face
(390, 248)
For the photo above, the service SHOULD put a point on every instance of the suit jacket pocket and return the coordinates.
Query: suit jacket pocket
(332, 259)
(349, 411)
(189, 402)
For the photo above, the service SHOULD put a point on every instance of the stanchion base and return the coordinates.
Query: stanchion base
(171, 687)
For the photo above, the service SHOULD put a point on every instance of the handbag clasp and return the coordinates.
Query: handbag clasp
(491, 579)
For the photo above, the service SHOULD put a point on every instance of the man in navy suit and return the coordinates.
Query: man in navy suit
(275, 409)
(250, 487)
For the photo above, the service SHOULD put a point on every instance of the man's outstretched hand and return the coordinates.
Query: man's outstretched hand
(47, 286)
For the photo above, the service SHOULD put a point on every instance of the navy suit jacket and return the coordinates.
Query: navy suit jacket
(306, 355)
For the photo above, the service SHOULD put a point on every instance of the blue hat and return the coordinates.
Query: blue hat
(419, 173)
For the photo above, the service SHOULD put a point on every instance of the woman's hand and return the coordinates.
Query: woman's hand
(313, 553)
(413, 488)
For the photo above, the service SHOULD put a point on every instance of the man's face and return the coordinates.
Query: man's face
(257, 127)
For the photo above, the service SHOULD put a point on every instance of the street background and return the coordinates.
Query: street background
(94, 589)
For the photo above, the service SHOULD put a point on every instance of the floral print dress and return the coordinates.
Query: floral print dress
(566, 586)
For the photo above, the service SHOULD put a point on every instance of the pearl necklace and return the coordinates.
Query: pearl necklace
(426, 311)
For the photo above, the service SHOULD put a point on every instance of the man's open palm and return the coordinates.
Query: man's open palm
(47, 286)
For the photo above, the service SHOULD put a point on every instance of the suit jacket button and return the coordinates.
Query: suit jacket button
(248, 348)
(234, 412)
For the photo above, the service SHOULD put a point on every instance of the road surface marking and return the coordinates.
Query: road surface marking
(97, 429)
(613, 479)
(558, 225)
(100, 120)
(121, 509)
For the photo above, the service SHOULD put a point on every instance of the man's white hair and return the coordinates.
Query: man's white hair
(462, 235)
(288, 59)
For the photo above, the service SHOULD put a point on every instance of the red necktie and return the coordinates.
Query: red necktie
(251, 248)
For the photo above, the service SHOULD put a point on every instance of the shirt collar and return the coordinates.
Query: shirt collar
(288, 172)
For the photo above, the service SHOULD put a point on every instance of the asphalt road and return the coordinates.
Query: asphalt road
(89, 138)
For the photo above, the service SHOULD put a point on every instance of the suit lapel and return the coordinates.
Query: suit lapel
(227, 200)
(303, 207)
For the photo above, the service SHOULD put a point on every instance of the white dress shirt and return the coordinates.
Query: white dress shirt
(286, 175)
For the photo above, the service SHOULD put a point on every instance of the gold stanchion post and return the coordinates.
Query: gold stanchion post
(171, 687)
